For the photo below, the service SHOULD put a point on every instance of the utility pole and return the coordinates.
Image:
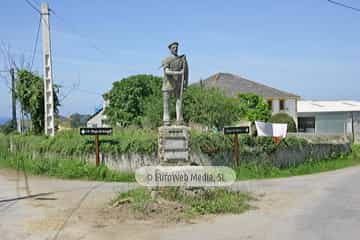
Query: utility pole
(13, 98)
(352, 128)
(48, 74)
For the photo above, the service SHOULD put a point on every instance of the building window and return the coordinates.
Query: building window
(306, 124)
(269, 104)
(282, 104)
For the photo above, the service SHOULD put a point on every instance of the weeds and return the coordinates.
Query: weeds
(63, 168)
(260, 171)
(179, 204)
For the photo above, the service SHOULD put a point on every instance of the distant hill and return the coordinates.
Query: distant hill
(4, 120)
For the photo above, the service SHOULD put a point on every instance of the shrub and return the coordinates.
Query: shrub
(253, 107)
(69, 142)
(284, 118)
(209, 107)
(128, 97)
(4, 144)
(138, 140)
(30, 94)
(7, 127)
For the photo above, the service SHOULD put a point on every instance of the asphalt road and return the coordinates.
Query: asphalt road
(318, 207)
(321, 206)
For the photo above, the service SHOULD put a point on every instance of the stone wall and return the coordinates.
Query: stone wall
(322, 138)
(280, 158)
(320, 148)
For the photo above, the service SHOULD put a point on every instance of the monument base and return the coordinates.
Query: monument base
(174, 145)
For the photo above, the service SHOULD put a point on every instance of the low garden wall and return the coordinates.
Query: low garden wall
(129, 149)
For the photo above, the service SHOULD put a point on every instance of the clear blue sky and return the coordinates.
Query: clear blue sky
(308, 47)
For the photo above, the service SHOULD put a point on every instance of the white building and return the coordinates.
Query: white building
(232, 85)
(329, 117)
(98, 119)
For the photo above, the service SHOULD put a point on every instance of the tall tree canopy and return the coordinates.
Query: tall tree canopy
(30, 94)
(137, 100)
(128, 97)
(253, 107)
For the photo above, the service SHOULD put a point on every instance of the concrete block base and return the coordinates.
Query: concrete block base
(174, 145)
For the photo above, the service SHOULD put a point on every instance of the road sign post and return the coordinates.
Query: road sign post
(97, 150)
(235, 131)
(96, 132)
(236, 149)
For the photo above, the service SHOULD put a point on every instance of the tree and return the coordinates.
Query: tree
(128, 97)
(30, 93)
(253, 107)
(209, 107)
(137, 100)
(284, 118)
(78, 120)
(7, 127)
(75, 120)
(153, 112)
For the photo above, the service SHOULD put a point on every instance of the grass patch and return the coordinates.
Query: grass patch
(63, 168)
(253, 171)
(174, 205)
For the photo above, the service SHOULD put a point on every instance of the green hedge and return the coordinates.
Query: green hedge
(61, 167)
(136, 140)
(213, 143)
(219, 147)
(71, 143)
(4, 143)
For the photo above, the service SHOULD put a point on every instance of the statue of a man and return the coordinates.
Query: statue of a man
(175, 81)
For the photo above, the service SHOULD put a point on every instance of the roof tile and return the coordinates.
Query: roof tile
(233, 85)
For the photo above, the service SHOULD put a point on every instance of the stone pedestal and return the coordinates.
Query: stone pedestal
(174, 145)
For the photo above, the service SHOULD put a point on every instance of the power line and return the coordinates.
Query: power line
(73, 30)
(76, 32)
(77, 89)
(89, 92)
(344, 5)
(5, 51)
(74, 88)
(6, 85)
(35, 45)
(32, 5)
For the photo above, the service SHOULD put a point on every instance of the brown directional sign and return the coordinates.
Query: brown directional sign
(95, 131)
(236, 130)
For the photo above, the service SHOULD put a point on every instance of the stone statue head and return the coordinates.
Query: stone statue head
(174, 48)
